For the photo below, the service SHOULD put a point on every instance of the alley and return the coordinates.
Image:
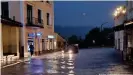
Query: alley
(94, 61)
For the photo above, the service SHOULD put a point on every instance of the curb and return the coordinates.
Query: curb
(19, 61)
(24, 60)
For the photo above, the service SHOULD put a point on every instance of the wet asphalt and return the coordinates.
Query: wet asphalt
(95, 61)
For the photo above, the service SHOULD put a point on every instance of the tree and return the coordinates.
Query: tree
(94, 37)
(101, 38)
(73, 39)
(93, 34)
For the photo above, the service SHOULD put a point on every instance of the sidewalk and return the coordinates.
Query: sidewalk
(7, 63)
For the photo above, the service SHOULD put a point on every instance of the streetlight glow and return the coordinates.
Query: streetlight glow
(123, 11)
(119, 10)
(115, 13)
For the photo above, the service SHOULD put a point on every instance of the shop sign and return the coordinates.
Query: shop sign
(51, 36)
(39, 34)
(31, 35)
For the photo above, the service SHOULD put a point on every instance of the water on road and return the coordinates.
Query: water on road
(96, 61)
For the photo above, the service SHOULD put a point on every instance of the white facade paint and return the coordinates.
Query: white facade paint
(119, 35)
(119, 20)
(13, 6)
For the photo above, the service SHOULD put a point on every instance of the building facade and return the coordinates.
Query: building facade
(124, 31)
(35, 26)
(60, 42)
(119, 31)
(10, 32)
(128, 27)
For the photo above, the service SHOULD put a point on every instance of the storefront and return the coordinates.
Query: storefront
(50, 42)
(34, 37)
(10, 38)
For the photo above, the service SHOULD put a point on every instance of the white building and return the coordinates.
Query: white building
(124, 30)
(119, 30)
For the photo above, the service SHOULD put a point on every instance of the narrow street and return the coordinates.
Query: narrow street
(87, 62)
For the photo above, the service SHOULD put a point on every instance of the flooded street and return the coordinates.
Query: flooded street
(87, 62)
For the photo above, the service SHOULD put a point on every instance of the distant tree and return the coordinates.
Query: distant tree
(73, 39)
(93, 34)
(94, 37)
(101, 38)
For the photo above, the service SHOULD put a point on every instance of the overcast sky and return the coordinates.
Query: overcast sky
(84, 13)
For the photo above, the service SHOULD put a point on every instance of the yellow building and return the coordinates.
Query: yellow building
(10, 36)
(10, 33)
(34, 25)
(60, 42)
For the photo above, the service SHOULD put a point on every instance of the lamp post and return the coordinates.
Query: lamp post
(102, 26)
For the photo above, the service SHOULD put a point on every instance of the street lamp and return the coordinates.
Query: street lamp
(102, 26)
(120, 10)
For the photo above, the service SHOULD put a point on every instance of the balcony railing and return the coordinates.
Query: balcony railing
(34, 22)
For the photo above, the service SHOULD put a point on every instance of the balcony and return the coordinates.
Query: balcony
(8, 21)
(34, 22)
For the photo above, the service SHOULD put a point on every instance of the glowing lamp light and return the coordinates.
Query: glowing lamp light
(70, 51)
(119, 10)
(62, 51)
(115, 13)
(124, 11)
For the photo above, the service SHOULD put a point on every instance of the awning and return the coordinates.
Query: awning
(129, 24)
(126, 25)
(8, 21)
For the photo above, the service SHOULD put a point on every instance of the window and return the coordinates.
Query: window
(42, 1)
(47, 2)
(48, 17)
(5, 9)
(39, 15)
(29, 13)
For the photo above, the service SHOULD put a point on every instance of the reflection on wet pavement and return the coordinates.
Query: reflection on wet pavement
(86, 62)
